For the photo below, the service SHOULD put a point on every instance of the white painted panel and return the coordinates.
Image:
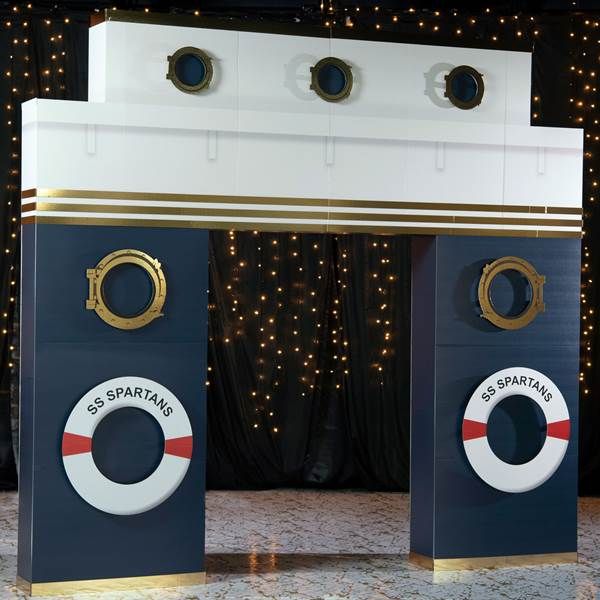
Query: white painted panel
(471, 173)
(282, 166)
(518, 80)
(196, 161)
(29, 154)
(391, 79)
(97, 55)
(368, 170)
(274, 74)
(558, 185)
(152, 160)
(191, 118)
(407, 81)
(136, 64)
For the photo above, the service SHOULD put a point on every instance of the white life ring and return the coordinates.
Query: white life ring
(94, 487)
(502, 384)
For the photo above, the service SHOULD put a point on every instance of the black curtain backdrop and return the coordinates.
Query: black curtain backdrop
(308, 381)
(308, 354)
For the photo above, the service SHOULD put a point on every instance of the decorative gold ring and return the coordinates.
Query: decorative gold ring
(339, 64)
(97, 276)
(536, 283)
(203, 57)
(477, 78)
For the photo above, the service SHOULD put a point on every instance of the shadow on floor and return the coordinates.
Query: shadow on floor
(261, 563)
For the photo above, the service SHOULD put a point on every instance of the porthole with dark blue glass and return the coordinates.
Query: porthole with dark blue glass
(331, 79)
(464, 87)
(190, 69)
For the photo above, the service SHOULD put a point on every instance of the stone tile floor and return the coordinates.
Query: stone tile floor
(330, 545)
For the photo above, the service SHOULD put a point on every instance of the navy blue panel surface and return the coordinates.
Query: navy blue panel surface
(459, 269)
(62, 247)
(75, 350)
(422, 391)
(470, 518)
(26, 420)
(473, 519)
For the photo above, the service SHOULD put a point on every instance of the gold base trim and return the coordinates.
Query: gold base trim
(63, 588)
(491, 562)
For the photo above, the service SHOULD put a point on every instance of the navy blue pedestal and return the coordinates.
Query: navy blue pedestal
(66, 351)
(454, 513)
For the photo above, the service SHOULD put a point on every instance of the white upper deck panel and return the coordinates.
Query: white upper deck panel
(271, 73)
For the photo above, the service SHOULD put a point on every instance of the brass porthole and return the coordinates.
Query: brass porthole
(535, 280)
(464, 87)
(97, 277)
(190, 69)
(331, 79)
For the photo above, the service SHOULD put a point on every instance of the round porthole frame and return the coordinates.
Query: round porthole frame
(339, 64)
(476, 100)
(208, 69)
(536, 283)
(98, 303)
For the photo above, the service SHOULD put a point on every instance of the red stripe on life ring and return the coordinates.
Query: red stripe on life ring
(75, 444)
(559, 429)
(473, 429)
(179, 446)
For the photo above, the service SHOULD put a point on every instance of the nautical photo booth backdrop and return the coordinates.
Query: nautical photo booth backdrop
(191, 126)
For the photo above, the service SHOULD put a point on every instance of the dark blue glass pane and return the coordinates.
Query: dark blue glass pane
(516, 430)
(464, 87)
(128, 445)
(331, 79)
(190, 69)
(127, 290)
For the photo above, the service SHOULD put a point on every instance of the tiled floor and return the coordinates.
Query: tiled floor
(289, 544)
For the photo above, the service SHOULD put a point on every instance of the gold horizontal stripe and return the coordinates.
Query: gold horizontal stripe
(487, 562)
(267, 200)
(290, 214)
(64, 588)
(299, 227)
(527, 233)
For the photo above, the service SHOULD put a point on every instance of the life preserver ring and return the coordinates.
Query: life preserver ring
(94, 487)
(495, 472)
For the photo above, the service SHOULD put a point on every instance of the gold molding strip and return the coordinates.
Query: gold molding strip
(321, 202)
(491, 562)
(64, 588)
(299, 227)
(291, 214)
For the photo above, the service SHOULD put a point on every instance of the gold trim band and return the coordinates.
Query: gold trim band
(63, 588)
(291, 214)
(322, 202)
(300, 227)
(490, 562)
